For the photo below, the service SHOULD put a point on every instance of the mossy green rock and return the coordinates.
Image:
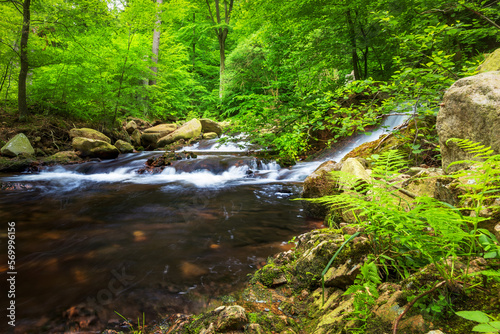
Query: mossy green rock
(189, 130)
(320, 183)
(210, 126)
(18, 145)
(231, 318)
(63, 157)
(135, 137)
(124, 147)
(164, 129)
(492, 63)
(209, 135)
(89, 133)
(95, 148)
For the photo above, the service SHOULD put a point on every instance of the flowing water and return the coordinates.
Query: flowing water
(99, 237)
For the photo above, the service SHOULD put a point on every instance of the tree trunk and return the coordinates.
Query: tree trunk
(23, 73)
(354, 52)
(194, 41)
(156, 44)
(221, 33)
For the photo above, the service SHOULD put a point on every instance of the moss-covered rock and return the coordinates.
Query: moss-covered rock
(124, 147)
(90, 134)
(320, 183)
(210, 126)
(491, 63)
(95, 148)
(18, 145)
(189, 130)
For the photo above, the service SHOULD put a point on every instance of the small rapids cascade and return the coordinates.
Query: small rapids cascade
(100, 237)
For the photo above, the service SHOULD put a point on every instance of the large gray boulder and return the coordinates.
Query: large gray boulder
(470, 110)
(89, 133)
(189, 130)
(94, 148)
(210, 126)
(19, 144)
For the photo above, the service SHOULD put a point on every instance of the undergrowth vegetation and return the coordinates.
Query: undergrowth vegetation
(409, 233)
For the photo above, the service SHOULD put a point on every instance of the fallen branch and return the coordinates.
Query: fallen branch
(409, 306)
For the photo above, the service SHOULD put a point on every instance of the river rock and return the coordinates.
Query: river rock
(210, 135)
(231, 318)
(164, 129)
(135, 137)
(492, 63)
(90, 134)
(470, 110)
(189, 130)
(19, 144)
(95, 148)
(320, 183)
(353, 166)
(210, 126)
(150, 139)
(131, 127)
(124, 147)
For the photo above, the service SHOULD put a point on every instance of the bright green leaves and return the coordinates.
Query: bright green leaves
(486, 324)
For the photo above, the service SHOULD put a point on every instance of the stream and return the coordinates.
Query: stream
(98, 237)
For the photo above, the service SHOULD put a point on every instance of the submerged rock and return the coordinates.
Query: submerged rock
(189, 130)
(95, 148)
(90, 134)
(18, 145)
(470, 110)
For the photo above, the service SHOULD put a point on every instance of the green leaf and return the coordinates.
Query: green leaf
(474, 316)
(484, 328)
(495, 324)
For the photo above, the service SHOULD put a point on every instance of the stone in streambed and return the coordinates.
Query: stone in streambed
(189, 130)
(18, 145)
(231, 318)
(90, 134)
(320, 183)
(94, 148)
(151, 135)
(131, 127)
(210, 135)
(135, 137)
(210, 126)
(124, 147)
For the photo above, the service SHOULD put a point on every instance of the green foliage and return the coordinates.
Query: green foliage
(487, 324)
(365, 294)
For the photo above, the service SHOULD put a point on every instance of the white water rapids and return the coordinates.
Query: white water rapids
(232, 168)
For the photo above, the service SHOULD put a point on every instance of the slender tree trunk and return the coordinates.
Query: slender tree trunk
(354, 52)
(221, 33)
(194, 41)
(23, 73)
(156, 44)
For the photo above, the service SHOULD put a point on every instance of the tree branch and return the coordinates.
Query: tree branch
(483, 17)
(17, 4)
(12, 48)
(408, 307)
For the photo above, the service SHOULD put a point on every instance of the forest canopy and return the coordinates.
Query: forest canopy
(296, 69)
